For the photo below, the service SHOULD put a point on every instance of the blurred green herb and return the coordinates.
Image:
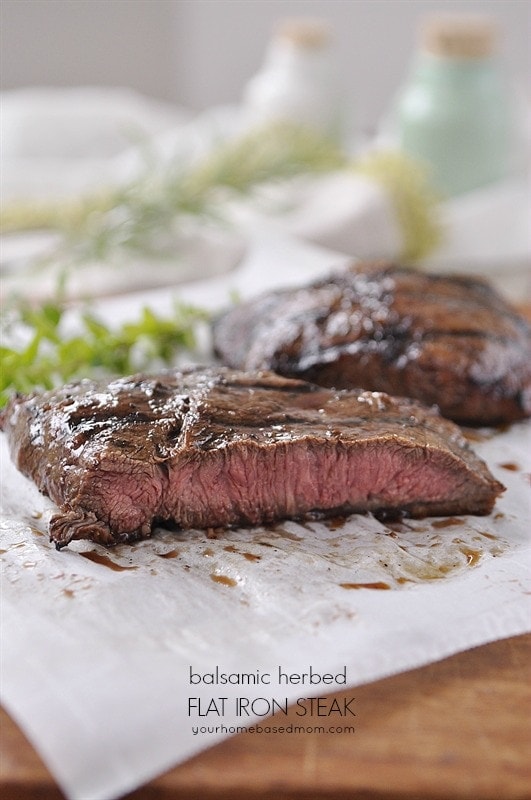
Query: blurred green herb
(144, 215)
(415, 203)
(50, 357)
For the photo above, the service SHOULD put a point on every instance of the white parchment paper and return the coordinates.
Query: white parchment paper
(101, 649)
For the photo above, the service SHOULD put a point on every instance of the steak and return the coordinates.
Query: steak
(218, 448)
(445, 340)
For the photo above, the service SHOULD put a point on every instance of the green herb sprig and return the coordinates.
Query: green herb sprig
(50, 357)
(143, 216)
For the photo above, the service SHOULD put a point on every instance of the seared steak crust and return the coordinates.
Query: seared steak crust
(445, 340)
(216, 448)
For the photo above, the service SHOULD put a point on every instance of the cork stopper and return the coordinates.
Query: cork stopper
(304, 32)
(459, 36)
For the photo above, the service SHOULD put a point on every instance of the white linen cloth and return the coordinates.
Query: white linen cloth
(96, 662)
(61, 141)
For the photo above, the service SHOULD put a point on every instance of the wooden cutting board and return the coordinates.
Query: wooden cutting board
(459, 728)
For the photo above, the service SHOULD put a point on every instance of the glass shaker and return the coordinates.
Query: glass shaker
(454, 112)
(297, 81)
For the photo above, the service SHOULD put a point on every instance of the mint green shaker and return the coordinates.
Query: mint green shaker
(454, 112)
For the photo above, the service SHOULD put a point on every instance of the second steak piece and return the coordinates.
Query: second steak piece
(217, 448)
(445, 340)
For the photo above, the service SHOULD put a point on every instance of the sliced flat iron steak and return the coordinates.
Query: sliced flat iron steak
(445, 340)
(219, 448)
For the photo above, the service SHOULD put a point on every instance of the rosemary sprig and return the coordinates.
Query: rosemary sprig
(144, 215)
(277, 152)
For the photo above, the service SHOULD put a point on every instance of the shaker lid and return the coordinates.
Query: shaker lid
(459, 35)
(304, 31)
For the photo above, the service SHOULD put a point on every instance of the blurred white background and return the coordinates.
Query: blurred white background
(184, 57)
(200, 53)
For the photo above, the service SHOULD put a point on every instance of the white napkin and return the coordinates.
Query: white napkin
(96, 662)
(62, 141)
(488, 233)
(343, 211)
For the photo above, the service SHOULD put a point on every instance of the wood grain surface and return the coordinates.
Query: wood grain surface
(458, 728)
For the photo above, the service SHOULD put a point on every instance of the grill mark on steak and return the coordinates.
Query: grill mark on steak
(217, 448)
(445, 340)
